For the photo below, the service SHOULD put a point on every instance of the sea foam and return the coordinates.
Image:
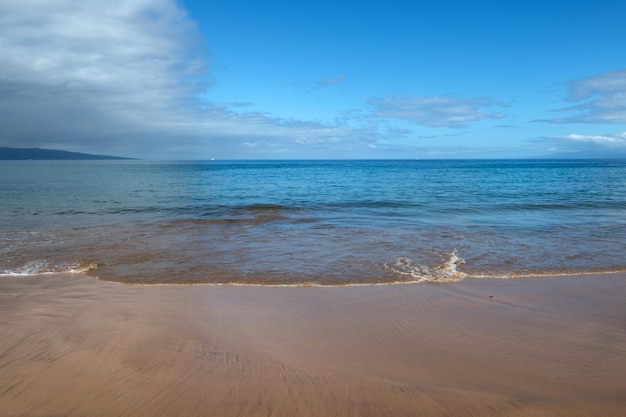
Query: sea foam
(446, 271)
(40, 267)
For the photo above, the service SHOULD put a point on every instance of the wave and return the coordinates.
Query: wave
(491, 208)
(403, 270)
(445, 271)
(202, 209)
(41, 267)
(386, 210)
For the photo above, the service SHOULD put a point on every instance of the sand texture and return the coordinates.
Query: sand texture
(71, 345)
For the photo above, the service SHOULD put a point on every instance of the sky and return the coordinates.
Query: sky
(341, 79)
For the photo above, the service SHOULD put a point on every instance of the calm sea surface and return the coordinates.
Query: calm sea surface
(312, 222)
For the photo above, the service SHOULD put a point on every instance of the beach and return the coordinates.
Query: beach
(71, 345)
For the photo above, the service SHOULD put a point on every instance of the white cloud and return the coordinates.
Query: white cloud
(605, 145)
(122, 77)
(73, 70)
(434, 111)
(331, 81)
(609, 140)
(601, 99)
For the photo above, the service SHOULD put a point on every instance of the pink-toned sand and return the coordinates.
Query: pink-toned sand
(74, 346)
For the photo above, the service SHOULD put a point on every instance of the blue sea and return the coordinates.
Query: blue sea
(312, 222)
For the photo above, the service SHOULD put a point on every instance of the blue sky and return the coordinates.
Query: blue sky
(236, 79)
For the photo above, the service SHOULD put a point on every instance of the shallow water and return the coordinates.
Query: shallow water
(312, 222)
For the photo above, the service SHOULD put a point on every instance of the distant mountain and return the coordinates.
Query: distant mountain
(47, 154)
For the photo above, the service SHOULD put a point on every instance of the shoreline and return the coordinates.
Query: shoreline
(448, 281)
(463, 277)
(74, 345)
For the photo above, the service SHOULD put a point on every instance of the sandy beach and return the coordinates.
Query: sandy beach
(71, 345)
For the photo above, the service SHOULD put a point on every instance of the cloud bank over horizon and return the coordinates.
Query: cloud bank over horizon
(96, 73)
(137, 78)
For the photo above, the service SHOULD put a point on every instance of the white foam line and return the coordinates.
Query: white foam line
(312, 285)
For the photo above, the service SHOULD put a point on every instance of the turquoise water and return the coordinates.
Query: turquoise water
(312, 222)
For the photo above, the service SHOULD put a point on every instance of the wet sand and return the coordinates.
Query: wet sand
(74, 346)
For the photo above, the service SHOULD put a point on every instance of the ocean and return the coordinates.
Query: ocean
(312, 222)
